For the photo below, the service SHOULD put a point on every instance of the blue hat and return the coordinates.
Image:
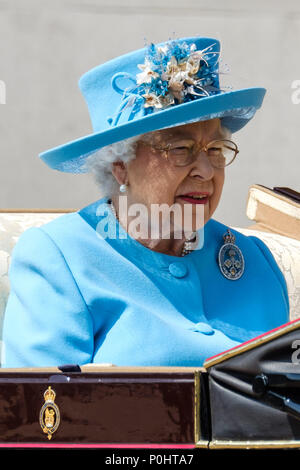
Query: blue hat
(160, 86)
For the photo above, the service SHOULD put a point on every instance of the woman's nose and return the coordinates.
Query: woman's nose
(203, 166)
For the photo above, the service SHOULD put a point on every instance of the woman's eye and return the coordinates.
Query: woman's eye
(181, 148)
(215, 150)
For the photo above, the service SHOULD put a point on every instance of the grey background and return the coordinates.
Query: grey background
(45, 46)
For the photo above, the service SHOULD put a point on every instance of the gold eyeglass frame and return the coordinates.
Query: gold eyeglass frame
(196, 151)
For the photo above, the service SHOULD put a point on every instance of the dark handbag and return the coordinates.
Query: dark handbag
(254, 392)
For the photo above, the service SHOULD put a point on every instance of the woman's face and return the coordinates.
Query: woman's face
(153, 179)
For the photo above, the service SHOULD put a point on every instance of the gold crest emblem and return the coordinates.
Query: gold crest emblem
(49, 414)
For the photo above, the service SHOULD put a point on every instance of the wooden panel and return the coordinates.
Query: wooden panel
(100, 407)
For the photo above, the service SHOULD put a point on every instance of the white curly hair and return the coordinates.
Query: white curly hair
(99, 164)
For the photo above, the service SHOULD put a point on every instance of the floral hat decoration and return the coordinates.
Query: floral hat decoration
(160, 86)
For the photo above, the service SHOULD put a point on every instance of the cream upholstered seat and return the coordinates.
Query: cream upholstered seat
(12, 224)
(286, 251)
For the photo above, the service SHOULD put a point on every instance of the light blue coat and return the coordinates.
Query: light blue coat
(77, 298)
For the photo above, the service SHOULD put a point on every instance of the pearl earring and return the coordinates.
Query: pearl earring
(123, 188)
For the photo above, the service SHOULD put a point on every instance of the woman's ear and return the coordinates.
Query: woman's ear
(119, 171)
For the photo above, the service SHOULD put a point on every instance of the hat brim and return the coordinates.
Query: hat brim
(235, 109)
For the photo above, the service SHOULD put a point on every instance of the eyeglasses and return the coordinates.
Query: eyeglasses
(221, 153)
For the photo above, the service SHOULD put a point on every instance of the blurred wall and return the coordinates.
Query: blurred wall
(45, 46)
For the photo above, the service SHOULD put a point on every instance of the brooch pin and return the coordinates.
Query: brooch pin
(230, 258)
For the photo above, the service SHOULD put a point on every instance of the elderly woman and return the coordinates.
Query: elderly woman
(112, 282)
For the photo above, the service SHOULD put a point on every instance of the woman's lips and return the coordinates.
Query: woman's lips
(192, 200)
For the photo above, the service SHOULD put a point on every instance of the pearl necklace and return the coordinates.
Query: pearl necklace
(188, 244)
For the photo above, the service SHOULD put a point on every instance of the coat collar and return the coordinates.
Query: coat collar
(99, 216)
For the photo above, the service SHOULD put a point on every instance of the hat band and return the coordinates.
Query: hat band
(130, 99)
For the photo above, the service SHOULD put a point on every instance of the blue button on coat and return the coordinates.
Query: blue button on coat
(79, 297)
